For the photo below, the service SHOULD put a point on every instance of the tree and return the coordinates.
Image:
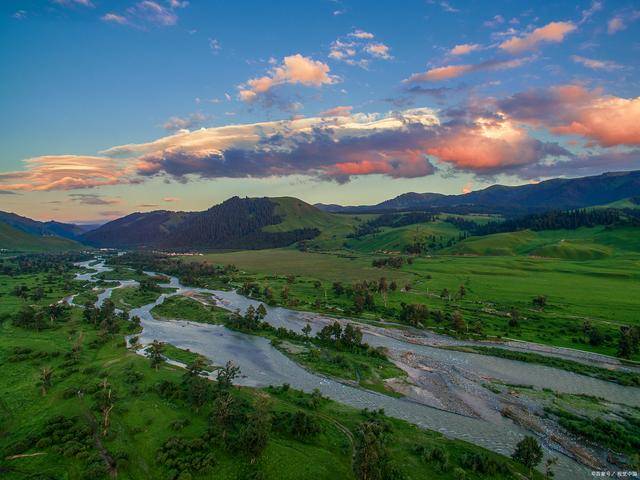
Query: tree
(393, 286)
(462, 291)
(528, 452)
(261, 312)
(383, 288)
(226, 375)
(514, 318)
(351, 336)
(306, 330)
(155, 353)
(371, 457)
(46, 376)
(629, 341)
(540, 301)
(458, 323)
(254, 435)
(195, 386)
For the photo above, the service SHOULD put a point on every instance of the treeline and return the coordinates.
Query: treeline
(553, 220)
(56, 263)
(391, 220)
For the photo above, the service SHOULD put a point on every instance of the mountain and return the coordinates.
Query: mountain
(559, 193)
(237, 223)
(43, 229)
(14, 239)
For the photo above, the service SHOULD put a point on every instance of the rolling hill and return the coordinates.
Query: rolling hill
(237, 223)
(15, 240)
(557, 194)
(580, 244)
(43, 229)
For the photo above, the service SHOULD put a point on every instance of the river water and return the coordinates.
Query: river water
(262, 365)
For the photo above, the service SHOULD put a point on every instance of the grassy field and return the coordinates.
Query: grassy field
(183, 308)
(142, 419)
(288, 261)
(15, 240)
(581, 244)
(127, 298)
(396, 239)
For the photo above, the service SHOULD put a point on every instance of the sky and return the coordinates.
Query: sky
(115, 106)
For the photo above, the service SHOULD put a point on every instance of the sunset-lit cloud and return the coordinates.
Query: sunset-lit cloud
(553, 32)
(185, 123)
(295, 69)
(454, 71)
(399, 145)
(66, 172)
(596, 64)
(339, 111)
(464, 49)
(573, 110)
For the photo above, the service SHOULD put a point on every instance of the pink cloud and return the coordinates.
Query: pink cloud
(339, 111)
(295, 69)
(464, 49)
(379, 50)
(486, 145)
(361, 34)
(454, 71)
(66, 172)
(573, 110)
(553, 32)
(440, 73)
(596, 64)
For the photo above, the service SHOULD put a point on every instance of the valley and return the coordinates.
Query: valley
(472, 331)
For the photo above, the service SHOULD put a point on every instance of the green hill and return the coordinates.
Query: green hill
(16, 240)
(631, 202)
(579, 244)
(297, 214)
(396, 239)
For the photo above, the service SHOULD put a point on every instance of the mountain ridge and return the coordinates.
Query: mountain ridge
(556, 193)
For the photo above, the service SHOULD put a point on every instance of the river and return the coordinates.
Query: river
(261, 365)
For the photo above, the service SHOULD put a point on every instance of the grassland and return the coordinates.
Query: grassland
(142, 419)
(396, 239)
(337, 266)
(184, 308)
(127, 298)
(581, 244)
(298, 214)
(15, 240)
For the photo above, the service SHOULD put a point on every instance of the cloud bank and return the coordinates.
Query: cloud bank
(487, 137)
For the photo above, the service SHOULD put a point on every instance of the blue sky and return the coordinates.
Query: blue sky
(116, 106)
